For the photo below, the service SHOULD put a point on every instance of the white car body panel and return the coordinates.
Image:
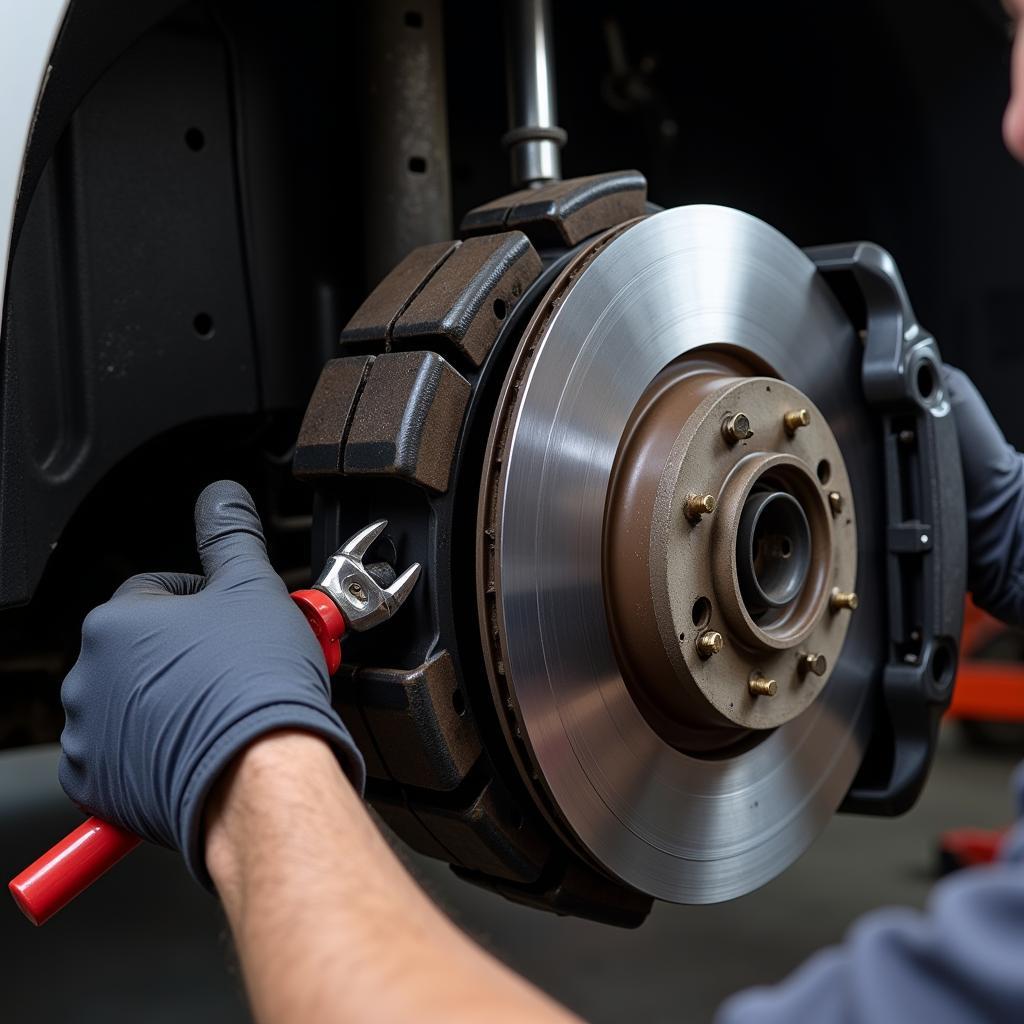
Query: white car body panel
(28, 32)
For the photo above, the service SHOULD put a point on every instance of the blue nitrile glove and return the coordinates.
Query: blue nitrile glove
(178, 673)
(994, 483)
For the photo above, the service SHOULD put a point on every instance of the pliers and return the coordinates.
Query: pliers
(347, 595)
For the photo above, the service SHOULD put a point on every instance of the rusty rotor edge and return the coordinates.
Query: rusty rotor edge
(488, 592)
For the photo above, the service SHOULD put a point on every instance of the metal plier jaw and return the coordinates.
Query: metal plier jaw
(361, 599)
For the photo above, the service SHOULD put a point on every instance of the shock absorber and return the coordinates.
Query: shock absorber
(534, 139)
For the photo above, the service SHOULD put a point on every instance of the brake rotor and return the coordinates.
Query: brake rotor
(688, 704)
(691, 535)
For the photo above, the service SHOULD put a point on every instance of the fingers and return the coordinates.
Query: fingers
(988, 459)
(160, 584)
(229, 535)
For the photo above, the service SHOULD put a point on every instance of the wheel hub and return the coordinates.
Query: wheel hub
(714, 614)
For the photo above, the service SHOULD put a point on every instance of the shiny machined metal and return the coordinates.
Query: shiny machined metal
(677, 826)
(534, 139)
(354, 587)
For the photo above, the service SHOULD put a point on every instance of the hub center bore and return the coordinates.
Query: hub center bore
(773, 550)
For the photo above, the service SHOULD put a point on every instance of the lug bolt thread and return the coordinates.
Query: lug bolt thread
(761, 687)
(697, 505)
(795, 419)
(835, 502)
(709, 643)
(843, 600)
(736, 428)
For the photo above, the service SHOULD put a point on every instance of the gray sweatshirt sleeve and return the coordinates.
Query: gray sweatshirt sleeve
(961, 959)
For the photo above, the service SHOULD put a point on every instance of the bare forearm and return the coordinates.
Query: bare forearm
(329, 925)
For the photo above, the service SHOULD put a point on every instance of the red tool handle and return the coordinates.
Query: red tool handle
(326, 621)
(69, 868)
(72, 865)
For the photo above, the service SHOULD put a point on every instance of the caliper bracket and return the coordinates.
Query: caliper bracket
(926, 561)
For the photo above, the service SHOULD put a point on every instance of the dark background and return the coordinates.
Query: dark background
(862, 120)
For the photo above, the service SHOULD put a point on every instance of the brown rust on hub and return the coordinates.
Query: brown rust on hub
(763, 595)
(677, 711)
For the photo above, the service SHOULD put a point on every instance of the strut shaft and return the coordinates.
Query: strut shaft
(534, 139)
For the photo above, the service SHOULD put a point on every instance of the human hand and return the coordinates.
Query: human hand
(994, 485)
(179, 673)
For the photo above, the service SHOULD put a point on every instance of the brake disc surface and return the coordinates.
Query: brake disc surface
(683, 828)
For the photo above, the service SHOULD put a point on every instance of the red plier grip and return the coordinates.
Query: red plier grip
(326, 621)
(50, 883)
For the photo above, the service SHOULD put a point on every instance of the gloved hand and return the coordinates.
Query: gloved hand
(994, 482)
(178, 673)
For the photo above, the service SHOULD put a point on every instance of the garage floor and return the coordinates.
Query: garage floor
(144, 944)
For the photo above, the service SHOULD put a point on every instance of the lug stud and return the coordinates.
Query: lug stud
(816, 663)
(697, 505)
(795, 419)
(835, 502)
(761, 687)
(709, 643)
(843, 600)
(736, 428)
